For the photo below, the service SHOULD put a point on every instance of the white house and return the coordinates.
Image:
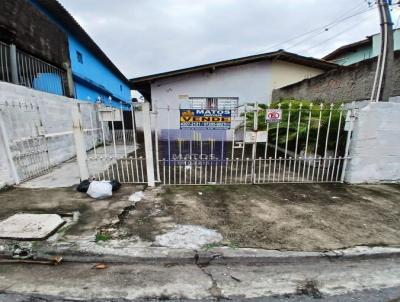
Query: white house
(224, 85)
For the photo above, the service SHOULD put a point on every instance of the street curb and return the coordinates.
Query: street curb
(167, 256)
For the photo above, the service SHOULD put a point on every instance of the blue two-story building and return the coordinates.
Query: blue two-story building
(95, 77)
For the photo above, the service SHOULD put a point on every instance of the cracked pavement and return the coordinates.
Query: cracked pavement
(119, 281)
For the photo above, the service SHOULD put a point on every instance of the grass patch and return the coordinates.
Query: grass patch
(101, 236)
(209, 246)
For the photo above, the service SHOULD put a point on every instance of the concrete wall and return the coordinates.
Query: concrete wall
(54, 116)
(375, 145)
(286, 73)
(5, 169)
(344, 84)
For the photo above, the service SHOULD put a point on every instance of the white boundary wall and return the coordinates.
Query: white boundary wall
(375, 145)
(55, 115)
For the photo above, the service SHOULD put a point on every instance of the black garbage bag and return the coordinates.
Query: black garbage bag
(83, 186)
(115, 185)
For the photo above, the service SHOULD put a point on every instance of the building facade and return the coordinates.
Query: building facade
(361, 50)
(56, 55)
(225, 85)
(244, 80)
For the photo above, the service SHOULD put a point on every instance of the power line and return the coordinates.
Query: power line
(328, 28)
(338, 34)
(342, 18)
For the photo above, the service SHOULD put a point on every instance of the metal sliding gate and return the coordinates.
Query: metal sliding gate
(288, 142)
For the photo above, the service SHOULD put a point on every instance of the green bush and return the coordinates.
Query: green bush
(304, 118)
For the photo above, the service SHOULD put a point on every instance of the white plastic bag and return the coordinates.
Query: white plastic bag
(99, 189)
(136, 197)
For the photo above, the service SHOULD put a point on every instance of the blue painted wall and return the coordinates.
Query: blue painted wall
(93, 80)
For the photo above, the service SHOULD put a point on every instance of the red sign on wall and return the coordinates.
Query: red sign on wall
(273, 115)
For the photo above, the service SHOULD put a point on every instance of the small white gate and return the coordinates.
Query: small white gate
(22, 133)
(305, 143)
(116, 149)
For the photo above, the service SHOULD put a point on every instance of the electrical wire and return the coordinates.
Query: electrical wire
(324, 31)
(353, 26)
(325, 27)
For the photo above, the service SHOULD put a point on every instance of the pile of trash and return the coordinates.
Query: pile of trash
(98, 189)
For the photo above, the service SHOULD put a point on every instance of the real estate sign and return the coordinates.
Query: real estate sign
(207, 119)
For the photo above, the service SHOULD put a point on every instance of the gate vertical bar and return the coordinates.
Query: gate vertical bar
(148, 146)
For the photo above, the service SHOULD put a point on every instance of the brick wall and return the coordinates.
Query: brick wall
(346, 83)
(23, 24)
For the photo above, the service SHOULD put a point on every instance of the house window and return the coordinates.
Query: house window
(120, 87)
(212, 103)
(79, 57)
(225, 103)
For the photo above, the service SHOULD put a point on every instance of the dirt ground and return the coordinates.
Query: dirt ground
(299, 217)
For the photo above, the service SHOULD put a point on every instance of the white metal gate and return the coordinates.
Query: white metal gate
(115, 148)
(309, 143)
(22, 133)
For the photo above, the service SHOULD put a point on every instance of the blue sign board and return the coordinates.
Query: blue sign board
(206, 119)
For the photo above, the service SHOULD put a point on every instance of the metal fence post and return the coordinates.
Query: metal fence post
(148, 144)
(349, 127)
(254, 149)
(79, 138)
(13, 64)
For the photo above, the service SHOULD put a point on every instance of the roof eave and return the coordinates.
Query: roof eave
(278, 55)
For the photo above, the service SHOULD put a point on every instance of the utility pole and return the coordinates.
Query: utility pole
(383, 81)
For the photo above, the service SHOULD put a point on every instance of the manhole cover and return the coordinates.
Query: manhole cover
(30, 226)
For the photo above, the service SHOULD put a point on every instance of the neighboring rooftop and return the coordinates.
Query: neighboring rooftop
(142, 83)
(67, 20)
(348, 48)
(360, 50)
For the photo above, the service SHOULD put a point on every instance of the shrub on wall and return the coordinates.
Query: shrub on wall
(306, 120)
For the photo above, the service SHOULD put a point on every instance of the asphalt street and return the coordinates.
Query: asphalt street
(322, 280)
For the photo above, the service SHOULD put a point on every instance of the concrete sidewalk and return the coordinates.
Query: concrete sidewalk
(66, 174)
(146, 282)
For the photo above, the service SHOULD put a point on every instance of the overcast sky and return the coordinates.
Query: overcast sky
(149, 36)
